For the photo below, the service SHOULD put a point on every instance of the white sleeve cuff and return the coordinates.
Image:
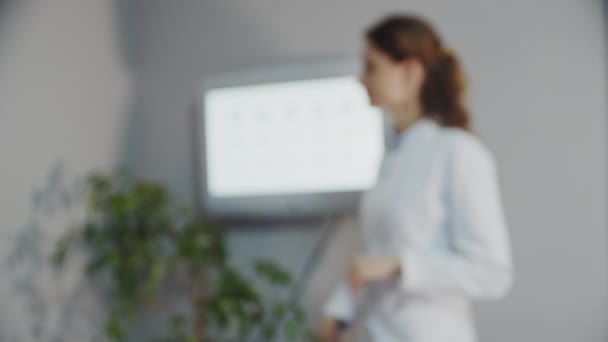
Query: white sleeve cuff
(341, 304)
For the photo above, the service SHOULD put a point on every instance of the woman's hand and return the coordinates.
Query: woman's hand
(329, 330)
(365, 269)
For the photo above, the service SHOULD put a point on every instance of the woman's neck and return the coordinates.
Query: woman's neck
(406, 116)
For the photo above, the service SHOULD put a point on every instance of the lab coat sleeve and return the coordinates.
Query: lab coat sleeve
(341, 304)
(478, 264)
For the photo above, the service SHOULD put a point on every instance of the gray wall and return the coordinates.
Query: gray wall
(64, 92)
(538, 97)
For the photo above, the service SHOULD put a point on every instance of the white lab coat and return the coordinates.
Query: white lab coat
(437, 206)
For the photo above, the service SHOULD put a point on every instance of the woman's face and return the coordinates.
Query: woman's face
(390, 84)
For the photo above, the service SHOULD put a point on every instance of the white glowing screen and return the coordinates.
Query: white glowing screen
(309, 136)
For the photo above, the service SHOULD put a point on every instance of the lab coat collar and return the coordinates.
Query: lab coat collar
(421, 123)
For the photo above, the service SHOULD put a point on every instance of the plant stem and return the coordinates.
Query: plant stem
(198, 303)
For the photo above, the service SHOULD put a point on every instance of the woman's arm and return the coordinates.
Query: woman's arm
(479, 262)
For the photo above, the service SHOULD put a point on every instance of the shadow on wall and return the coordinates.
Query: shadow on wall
(60, 304)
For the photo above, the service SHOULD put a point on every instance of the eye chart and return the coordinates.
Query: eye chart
(309, 136)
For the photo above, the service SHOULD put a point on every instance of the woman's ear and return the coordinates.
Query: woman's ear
(415, 72)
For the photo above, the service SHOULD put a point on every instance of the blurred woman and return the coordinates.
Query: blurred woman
(433, 225)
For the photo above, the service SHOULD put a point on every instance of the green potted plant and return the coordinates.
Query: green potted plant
(136, 236)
